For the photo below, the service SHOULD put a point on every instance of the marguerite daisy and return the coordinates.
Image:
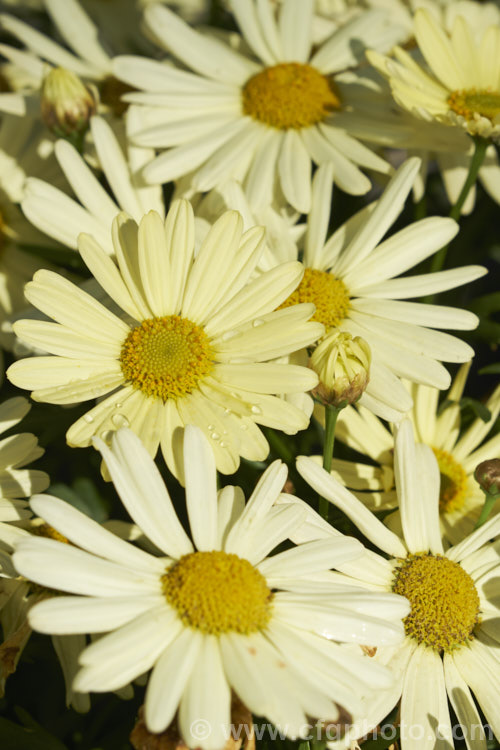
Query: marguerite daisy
(195, 347)
(452, 634)
(213, 614)
(262, 117)
(460, 497)
(460, 85)
(350, 279)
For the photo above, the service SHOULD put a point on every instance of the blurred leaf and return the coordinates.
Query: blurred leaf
(84, 496)
(29, 737)
(490, 369)
(479, 409)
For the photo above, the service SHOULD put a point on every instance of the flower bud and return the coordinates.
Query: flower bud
(67, 104)
(487, 475)
(342, 364)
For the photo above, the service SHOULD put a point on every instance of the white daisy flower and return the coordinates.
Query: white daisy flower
(350, 279)
(262, 118)
(214, 614)
(452, 634)
(16, 452)
(197, 345)
(460, 86)
(460, 497)
(63, 218)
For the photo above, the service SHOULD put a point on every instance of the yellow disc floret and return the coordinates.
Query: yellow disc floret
(49, 532)
(217, 592)
(444, 601)
(470, 102)
(289, 95)
(166, 357)
(328, 293)
(453, 489)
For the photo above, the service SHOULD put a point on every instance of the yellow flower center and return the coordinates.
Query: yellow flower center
(444, 601)
(47, 531)
(328, 293)
(216, 593)
(469, 102)
(289, 95)
(453, 487)
(166, 357)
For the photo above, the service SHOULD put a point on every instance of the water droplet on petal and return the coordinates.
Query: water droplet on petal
(120, 420)
(256, 409)
(210, 427)
(223, 444)
(106, 435)
(88, 418)
(244, 426)
(215, 436)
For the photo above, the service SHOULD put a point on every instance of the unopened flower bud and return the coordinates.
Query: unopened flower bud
(67, 103)
(342, 364)
(487, 475)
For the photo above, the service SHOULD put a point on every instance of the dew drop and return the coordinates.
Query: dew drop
(215, 436)
(256, 409)
(106, 435)
(118, 405)
(223, 444)
(228, 335)
(120, 420)
(88, 418)
(210, 427)
(257, 322)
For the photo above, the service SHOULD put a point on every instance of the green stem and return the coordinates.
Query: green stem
(480, 146)
(489, 502)
(331, 414)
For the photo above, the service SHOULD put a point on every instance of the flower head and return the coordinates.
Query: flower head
(213, 613)
(451, 629)
(195, 347)
(262, 117)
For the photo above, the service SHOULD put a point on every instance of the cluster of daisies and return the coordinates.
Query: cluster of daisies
(216, 255)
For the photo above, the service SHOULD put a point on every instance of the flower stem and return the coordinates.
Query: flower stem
(489, 502)
(331, 414)
(480, 146)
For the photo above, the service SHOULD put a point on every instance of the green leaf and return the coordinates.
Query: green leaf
(479, 409)
(30, 737)
(493, 369)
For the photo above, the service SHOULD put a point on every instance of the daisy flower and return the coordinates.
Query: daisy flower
(433, 140)
(460, 497)
(350, 279)
(452, 635)
(263, 117)
(213, 614)
(460, 85)
(195, 347)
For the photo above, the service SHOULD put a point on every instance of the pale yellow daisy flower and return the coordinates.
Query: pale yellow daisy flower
(460, 85)
(214, 611)
(196, 345)
(449, 655)
(261, 116)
